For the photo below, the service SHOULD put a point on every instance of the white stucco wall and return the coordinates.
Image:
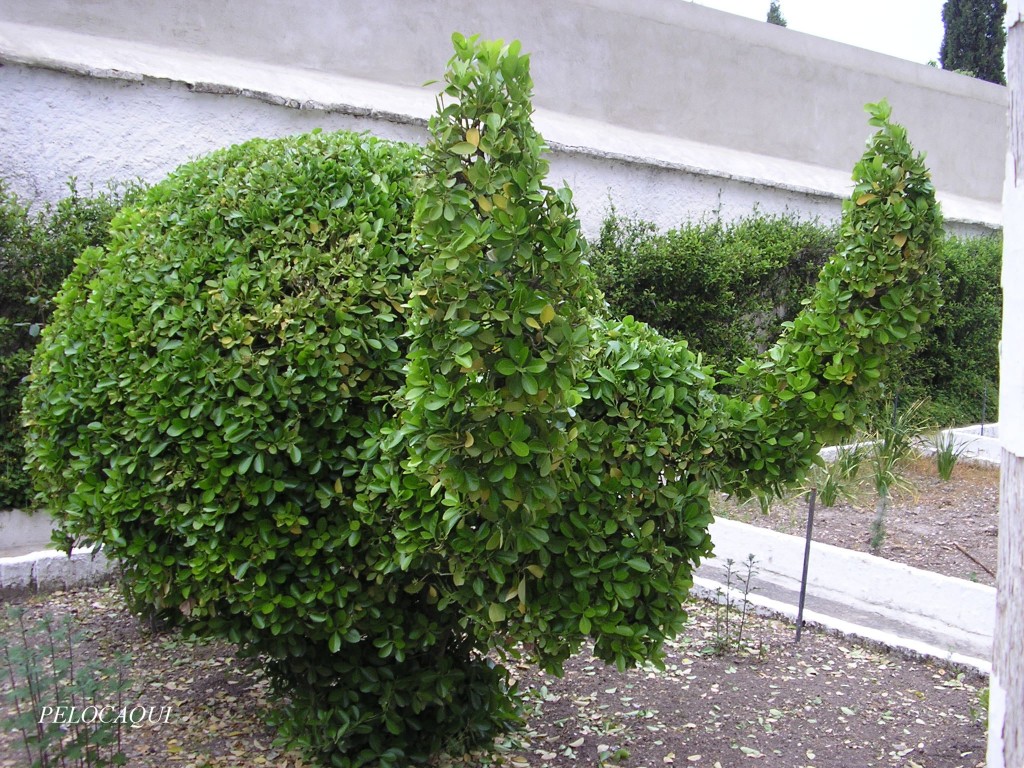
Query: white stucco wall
(667, 109)
(97, 129)
(102, 129)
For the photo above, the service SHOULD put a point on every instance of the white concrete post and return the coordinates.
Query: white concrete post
(1006, 696)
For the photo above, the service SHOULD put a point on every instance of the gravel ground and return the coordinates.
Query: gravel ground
(721, 701)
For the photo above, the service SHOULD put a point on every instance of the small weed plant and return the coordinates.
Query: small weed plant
(733, 606)
(892, 446)
(980, 712)
(45, 677)
(947, 453)
(836, 480)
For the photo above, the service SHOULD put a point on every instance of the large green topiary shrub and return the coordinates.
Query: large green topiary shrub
(208, 403)
(390, 451)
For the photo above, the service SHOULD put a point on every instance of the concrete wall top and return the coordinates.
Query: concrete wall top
(656, 67)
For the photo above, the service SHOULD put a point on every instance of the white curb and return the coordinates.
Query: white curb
(50, 570)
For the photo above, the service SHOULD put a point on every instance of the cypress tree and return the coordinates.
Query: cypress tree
(775, 15)
(974, 39)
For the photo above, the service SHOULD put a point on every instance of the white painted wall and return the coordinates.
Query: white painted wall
(666, 67)
(23, 532)
(98, 129)
(671, 109)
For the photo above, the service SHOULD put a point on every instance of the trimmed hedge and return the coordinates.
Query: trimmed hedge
(208, 403)
(725, 287)
(957, 365)
(37, 251)
(729, 288)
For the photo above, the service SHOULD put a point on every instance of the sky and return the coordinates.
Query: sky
(907, 29)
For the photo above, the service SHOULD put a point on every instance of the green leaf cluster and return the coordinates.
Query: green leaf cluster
(498, 313)
(876, 293)
(358, 407)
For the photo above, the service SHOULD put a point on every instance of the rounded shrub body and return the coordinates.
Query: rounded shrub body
(208, 404)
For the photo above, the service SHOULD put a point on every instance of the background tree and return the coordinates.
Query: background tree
(775, 15)
(974, 39)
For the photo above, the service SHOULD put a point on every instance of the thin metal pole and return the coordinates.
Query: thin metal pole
(984, 403)
(807, 557)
